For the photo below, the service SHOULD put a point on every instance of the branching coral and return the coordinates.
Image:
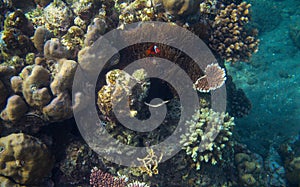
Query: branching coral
(150, 163)
(208, 134)
(230, 39)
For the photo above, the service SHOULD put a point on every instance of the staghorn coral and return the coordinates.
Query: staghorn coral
(230, 39)
(209, 132)
(24, 159)
(15, 109)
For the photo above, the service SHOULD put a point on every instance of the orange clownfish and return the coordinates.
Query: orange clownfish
(152, 50)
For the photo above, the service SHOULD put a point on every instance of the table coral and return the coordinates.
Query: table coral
(24, 159)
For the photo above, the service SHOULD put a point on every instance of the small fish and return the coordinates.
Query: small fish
(152, 50)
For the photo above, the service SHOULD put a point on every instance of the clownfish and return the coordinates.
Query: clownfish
(152, 50)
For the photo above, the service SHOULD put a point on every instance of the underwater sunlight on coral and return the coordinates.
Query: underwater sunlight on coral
(150, 93)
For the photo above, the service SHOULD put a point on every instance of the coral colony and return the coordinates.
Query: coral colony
(42, 43)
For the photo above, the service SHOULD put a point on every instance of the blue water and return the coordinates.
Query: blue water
(274, 69)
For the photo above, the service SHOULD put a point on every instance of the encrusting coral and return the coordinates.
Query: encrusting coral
(24, 159)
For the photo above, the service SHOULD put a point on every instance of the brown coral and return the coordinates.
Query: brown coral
(230, 39)
(24, 159)
(99, 178)
(214, 78)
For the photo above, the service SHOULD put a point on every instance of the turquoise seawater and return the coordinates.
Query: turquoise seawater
(272, 78)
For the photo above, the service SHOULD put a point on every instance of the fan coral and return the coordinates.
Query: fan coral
(230, 39)
(208, 134)
(214, 78)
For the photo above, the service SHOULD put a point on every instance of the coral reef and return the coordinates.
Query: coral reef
(35, 82)
(16, 33)
(77, 162)
(63, 79)
(214, 78)
(53, 49)
(289, 152)
(15, 109)
(117, 84)
(150, 163)
(238, 104)
(99, 178)
(250, 171)
(138, 10)
(24, 159)
(205, 145)
(230, 39)
(41, 35)
(181, 7)
(36, 76)
(58, 17)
